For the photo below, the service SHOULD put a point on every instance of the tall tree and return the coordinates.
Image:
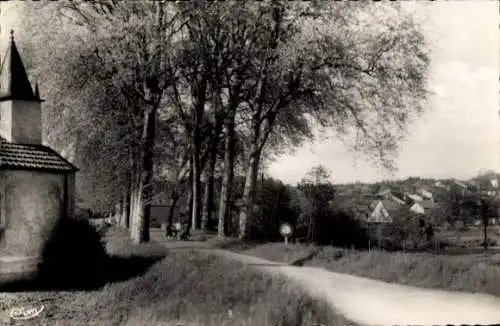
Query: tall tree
(126, 47)
(318, 188)
(328, 63)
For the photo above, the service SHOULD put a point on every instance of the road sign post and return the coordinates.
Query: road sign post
(286, 231)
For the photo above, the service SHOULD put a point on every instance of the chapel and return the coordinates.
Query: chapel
(36, 183)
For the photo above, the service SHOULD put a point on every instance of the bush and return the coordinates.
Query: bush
(73, 256)
(408, 230)
(336, 227)
(273, 208)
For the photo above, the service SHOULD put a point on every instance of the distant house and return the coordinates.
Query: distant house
(463, 187)
(370, 210)
(384, 193)
(460, 184)
(440, 184)
(417, 208)
(414, 198)
(397, 200)
(422, 207)
(425, 194)
(383, 211)
(491, 188)
(388, 194)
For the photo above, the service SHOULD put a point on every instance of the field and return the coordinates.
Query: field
(465, 272)
(183, 288)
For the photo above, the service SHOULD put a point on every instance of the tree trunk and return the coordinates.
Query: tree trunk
(208, 202)
(229, 220)
(249, 195)
(123, 213)
(127, 208)
(249, 191)
(140, 225)
(170, 217)
(176, 195)
(135, 227)
(200, 97)
(227, 180)
(131, 216)
(196, 192)
(186, 215)
(208, 199)
(144, 187)
(118, 212)
(152, 93)
(132, 177)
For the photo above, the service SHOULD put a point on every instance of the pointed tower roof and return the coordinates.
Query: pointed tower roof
(14, 82)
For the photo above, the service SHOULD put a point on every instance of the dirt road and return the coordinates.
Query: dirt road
(370, 302)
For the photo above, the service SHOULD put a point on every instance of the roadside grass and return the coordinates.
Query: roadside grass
(468, 272)
(232, 244)
(184, 288)
(278, 252)
(203, 289)
(119, 244)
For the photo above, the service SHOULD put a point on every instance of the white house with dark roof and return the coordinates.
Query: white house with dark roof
(36, 183)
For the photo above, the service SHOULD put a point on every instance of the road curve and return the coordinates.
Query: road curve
(370, 302)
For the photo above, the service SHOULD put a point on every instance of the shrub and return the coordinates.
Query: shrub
(408, 230)
(73, 256)
(336, 227)
(273, 208)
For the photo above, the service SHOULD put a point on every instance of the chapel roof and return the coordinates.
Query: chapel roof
(32, 157)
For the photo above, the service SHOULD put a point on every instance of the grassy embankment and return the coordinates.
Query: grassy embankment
(184, 288)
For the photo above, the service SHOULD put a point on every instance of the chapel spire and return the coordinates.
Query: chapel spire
(14, 82)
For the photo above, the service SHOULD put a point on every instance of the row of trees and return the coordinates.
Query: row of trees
(185, 91)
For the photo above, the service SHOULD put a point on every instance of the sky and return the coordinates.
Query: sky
(460, 133)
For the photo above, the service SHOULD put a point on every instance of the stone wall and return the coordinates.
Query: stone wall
(31, 205)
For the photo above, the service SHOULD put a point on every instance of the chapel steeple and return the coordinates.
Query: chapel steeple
(20, 107)
(14, 82)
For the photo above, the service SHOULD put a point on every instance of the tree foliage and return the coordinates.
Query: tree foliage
(180, 90)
